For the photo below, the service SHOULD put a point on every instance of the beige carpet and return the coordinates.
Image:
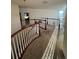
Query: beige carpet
(37, 48)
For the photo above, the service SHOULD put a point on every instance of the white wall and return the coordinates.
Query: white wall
(40, 13)
(15, 18)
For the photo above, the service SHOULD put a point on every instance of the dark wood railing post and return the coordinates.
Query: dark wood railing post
(45, 25)
(39, 29)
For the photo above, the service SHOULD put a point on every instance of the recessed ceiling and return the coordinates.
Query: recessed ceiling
(39, 3)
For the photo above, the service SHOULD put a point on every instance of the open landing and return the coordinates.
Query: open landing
(37, 47)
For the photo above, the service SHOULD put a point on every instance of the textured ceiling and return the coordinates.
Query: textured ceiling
(39, 3)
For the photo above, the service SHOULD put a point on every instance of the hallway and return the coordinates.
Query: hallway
(35, 28)
(38, 46)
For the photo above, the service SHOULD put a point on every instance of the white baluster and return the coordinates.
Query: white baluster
(25, 38)
(14, 47)
(29, 37)
(13, 57)
(17, 44)
(21, 42)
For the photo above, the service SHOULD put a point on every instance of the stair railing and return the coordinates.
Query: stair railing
(22, 39)
(43, 24)
(50, 49)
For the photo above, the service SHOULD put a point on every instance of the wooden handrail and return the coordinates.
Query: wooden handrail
(40, 21)
(46, 22)
(52, 18)
(23, 29)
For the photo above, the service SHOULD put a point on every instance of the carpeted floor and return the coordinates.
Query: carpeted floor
(37, 48)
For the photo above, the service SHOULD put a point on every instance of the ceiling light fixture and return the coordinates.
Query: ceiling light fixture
(24, 0)
(45, 2)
